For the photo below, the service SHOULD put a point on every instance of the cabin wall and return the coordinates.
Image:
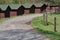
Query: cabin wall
(37, 10)
(53, 9)
(32, 9)
(26, 11)
(2, 15)
(13, 13)
(57, 8)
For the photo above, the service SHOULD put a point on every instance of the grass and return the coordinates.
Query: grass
(28, 14)
(37, 23)
(4, 19)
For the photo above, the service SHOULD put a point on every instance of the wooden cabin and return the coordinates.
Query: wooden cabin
(26, 11)
(27, 8)
(7, 11)
(3, 11)
(43, 7)
(14, 8)
(20, 10)
(54, 8)
(32, 9)
(17, 9)
(38, 8)
(13, 12)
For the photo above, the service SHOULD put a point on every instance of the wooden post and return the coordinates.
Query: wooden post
(55, 24)
(46, 18)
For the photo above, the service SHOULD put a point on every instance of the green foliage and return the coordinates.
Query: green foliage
(15, 2)
(37, 23)
(2, 1)
(53, 2)
(50, 2)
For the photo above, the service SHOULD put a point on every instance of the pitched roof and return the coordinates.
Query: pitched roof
(27, 5)
(12, 6)
(3, 7)
(33, 5)
(15, 6)
(21, 7)
(38, 4)
(8, 8)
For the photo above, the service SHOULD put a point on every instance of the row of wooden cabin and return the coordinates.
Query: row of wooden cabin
(23, 9)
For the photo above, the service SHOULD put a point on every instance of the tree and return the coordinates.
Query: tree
(2, 1)
(15, 1)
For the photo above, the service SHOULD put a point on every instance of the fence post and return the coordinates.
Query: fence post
(46, 18)
(55, 24)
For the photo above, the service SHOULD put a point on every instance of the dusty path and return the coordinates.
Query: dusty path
(19, 29)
